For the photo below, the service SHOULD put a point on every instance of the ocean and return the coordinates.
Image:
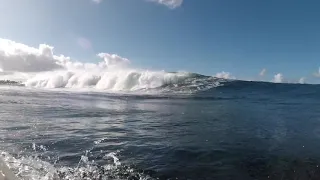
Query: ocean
(195, 128)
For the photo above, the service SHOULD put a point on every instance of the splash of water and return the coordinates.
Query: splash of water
(35, 166)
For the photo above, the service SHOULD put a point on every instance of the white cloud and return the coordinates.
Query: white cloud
(17, 57)
(169, 3)
(113, 59)
(97, 1)
(302, 80)
(263, 72)
(278, 78)
(317, 74)
(224, 75)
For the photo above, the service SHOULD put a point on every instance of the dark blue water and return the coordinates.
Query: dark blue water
(240, 130)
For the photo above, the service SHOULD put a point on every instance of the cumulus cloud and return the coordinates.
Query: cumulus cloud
(224, 75)
(169, 3)
(302, 80)
(278, 78)
(17, 57)
(263, 72)
(317, 74)
(113, 59)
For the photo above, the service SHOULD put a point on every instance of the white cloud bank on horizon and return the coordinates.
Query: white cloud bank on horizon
(22, 58)
(19, 57)
(278, 78)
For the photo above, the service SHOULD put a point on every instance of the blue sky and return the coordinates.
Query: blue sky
(204, 36)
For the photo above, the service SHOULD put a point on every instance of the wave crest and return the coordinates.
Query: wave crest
(120, 80)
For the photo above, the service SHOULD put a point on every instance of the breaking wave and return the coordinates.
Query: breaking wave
(119, 80)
